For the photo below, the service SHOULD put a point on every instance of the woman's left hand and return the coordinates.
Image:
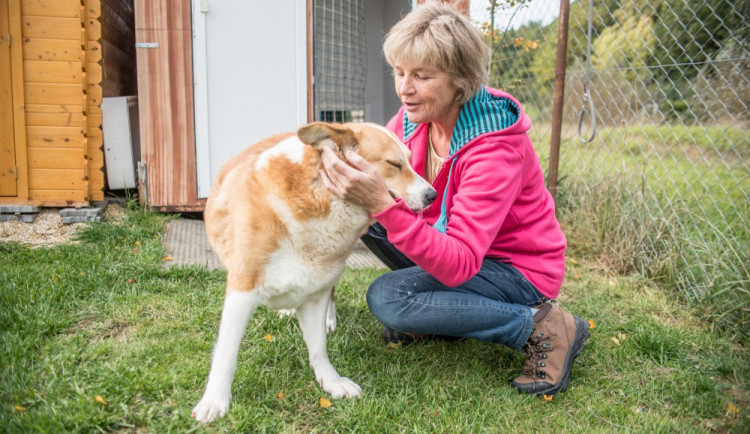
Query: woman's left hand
(357, 182)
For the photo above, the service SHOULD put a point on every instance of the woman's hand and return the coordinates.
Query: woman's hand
(357, 182)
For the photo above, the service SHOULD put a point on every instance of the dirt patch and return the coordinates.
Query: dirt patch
(48, 230)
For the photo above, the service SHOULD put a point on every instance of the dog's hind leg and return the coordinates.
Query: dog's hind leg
(331, 312)
(312, 320)
(238, 307)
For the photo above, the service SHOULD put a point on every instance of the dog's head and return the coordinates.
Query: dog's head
(381, 148)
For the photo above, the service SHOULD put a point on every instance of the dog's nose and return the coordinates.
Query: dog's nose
(430, 196)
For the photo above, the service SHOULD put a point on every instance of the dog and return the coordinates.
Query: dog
(284, 239)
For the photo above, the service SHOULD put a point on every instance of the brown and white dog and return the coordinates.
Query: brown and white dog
(284, 239)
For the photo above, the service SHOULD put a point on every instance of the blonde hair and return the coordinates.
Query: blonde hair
(437, 35)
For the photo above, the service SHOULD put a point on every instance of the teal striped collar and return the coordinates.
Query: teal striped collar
(484, 113)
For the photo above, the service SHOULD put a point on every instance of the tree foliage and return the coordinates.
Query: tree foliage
(661, 44)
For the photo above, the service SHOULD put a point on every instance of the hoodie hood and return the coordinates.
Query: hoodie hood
(489, 111)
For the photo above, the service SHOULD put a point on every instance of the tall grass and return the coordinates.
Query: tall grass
(639, 199)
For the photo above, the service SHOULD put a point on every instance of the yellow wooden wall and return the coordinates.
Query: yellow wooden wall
(62, 94)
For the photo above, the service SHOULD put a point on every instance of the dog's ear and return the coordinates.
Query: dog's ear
(336, 136)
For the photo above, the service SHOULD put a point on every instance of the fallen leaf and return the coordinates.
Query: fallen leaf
(733, 410)
(325, 403)
(573, 261)
(132, 280)
(612, 283)
(167, 258)
(548, 398)
(100, 400)
(592, 324)
(268, 338)
(615, 340)
(21, 409)
(280, 395)
(621, 336)
(137, 243)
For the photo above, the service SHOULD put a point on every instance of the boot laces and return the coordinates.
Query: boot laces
(536, 352)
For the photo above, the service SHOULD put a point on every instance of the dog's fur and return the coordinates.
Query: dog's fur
(284, 239)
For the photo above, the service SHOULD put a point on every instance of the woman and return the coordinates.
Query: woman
(484, 260)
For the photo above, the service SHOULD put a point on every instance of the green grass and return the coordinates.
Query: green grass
(669, 202)
(104, 318)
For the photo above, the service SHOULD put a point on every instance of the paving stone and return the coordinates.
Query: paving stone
(16, 209)
(80, 212)
(80, 219)
(26, 218)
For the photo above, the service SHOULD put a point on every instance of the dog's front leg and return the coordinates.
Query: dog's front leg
(312, 320)
(238, 307)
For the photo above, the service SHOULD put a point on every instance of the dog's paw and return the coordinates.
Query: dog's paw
(285, 312)
(340, 387)
(211, 408)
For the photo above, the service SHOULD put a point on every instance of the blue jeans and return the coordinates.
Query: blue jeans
(493, 306)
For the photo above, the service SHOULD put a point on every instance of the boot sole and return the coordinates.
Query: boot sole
(582, 334)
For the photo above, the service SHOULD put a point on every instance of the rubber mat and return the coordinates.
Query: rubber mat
(186, 243)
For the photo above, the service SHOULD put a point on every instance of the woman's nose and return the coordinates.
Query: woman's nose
(405, 86)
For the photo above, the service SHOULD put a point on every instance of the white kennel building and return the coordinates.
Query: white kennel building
(215, 76)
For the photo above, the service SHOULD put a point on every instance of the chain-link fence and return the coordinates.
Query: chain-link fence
(664, 186)
(339, 60)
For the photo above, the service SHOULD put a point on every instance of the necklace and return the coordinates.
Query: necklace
(433, 161)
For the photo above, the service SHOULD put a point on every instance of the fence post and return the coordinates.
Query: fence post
(558, 96)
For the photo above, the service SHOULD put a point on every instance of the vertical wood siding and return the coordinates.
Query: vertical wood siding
(165, 100)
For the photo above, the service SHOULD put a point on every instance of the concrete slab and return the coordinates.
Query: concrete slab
(81, 215)
(26, 218)
(186, 243)
(19, 209)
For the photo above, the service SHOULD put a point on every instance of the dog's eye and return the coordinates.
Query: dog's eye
(395, 164)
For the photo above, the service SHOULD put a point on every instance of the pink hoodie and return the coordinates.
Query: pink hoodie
(497, 207)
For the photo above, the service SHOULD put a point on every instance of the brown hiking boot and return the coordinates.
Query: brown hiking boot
(557, 337)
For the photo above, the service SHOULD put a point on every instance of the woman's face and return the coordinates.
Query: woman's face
(428, 94)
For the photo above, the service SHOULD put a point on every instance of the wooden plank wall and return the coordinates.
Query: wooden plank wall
(61, 76)
(165, 101)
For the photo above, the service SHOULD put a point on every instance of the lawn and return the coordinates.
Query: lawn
(98, 336)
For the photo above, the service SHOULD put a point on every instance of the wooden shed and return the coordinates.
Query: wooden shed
(52, 80)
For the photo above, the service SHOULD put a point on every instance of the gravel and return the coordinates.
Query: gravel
(48, 229)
